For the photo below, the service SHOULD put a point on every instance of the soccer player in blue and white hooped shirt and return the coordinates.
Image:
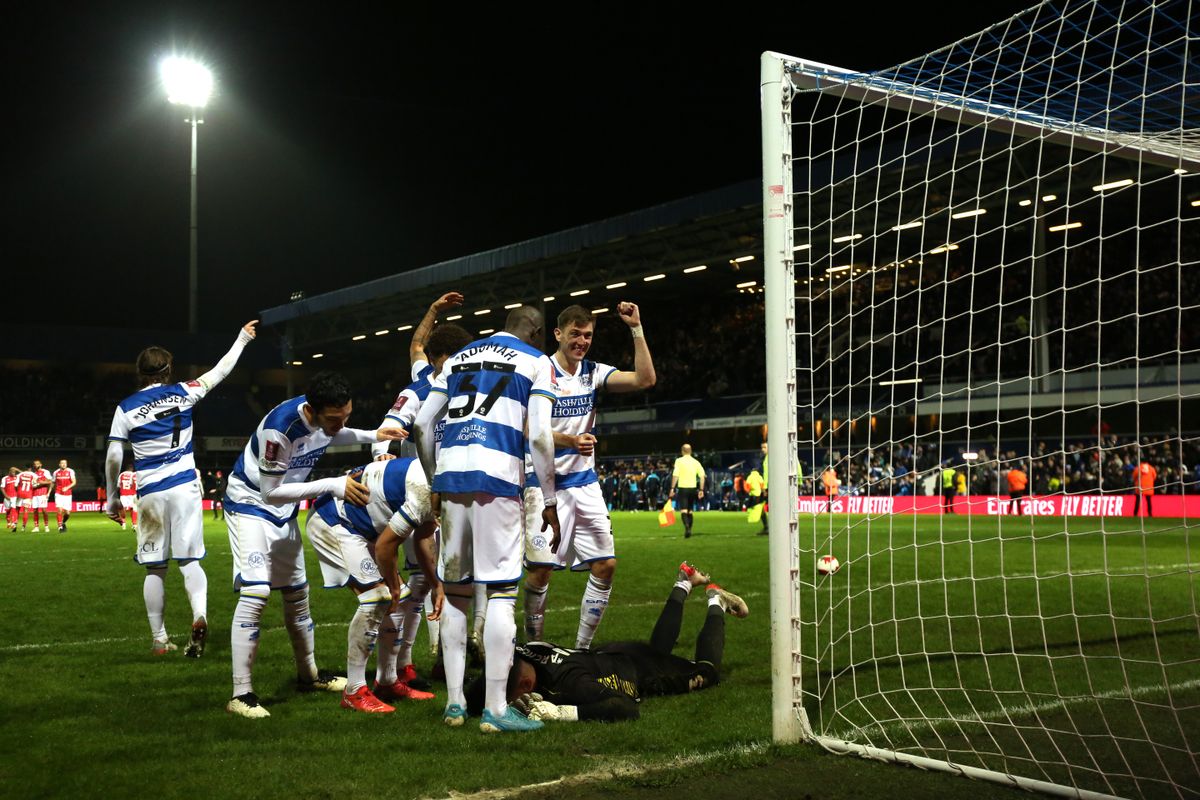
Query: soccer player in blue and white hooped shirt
(358, 548)
(262, 500)
(399, 631)
(587, 540)
(157, 421)
(491, 392)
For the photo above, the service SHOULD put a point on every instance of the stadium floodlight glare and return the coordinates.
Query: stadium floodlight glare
(747, 284)
(848, 238)
(741, 259)
(188, 82)
(600, 310)
(404, 328)
(657, 277)
(700, 268)
(549, 299)
(1104, 187)
(1049, 198)
(975, 212)
(580, 292)
(970, 456)
(835, 270)
(358, 338)
(1195, 203)
(483, 311)
(486, 331)
(944, 248)
(616, 285)
(800, 247)
(383, 332)
(453, 317)
(900, 382)
(1024, 203)
(907, 226)
(318, 355)
(1066, 226)
(511, 306)
(1180, 171)
(297, 363)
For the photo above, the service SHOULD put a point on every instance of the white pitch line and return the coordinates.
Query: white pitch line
(617, 769)
(16, 648)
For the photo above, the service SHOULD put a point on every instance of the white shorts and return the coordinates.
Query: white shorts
(481, 539)
(10, 502)
(25, 502)
(586, 529)
(127, 500)
(40, 501)
(170, 520)
(344, 557)
(265, 552)
(63, 502)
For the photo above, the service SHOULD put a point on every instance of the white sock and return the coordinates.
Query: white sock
(411, 610)
(481, 604)
(154, 593)
(535, 612)
(360, 641)
(591, 610)
(243, 638)
(454, 645)
(195, 583)
(389, 646)
(432, 626)
(499, 636)
(298, 620)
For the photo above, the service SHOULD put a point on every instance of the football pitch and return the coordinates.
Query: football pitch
(89, 711)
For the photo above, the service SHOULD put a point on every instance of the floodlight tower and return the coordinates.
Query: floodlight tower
(189, 83)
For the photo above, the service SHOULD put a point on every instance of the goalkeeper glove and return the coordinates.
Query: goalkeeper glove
(533, 706)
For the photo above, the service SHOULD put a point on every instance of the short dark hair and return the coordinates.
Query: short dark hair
(327, 389)
(154, 364)
(576, 314)
(446, 340)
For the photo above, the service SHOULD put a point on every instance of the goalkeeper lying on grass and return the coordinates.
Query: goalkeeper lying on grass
(548, 682)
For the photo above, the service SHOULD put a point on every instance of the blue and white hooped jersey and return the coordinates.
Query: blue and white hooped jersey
(574, 414)
(283, 445)
(490, 384)
(399, 495)
(157, 422)
(408, 403)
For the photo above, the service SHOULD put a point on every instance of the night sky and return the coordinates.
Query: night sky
(346, 143)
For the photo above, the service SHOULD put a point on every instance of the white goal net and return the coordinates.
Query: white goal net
(983, 347)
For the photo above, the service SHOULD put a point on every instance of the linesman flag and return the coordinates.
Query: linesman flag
(666, 517)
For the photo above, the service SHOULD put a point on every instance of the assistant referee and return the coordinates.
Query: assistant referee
(687, 480)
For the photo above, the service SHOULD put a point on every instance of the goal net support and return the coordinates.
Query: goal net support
(982, 288)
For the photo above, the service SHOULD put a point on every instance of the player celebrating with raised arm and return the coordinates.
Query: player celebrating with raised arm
(358, 549)
(587, 540)
(157, 422)
(491, 392)
(64, 482)
(262, 498)
(399, 631)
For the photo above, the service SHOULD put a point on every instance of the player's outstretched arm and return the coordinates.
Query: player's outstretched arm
(228, 361)
(277, 493)
(643, 376)
(416, 350)
(361, 436)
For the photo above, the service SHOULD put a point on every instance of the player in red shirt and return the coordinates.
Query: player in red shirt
(1143, 486)
(127, 485)
(64, 482)
(9, 484)
(42, 481)
(25, 480)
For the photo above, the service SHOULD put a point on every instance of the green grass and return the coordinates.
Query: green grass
(89, 712)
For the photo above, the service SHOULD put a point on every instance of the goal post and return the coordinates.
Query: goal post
(982, 322)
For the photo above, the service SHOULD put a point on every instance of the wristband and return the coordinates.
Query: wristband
(551, 501)
(637, 332)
